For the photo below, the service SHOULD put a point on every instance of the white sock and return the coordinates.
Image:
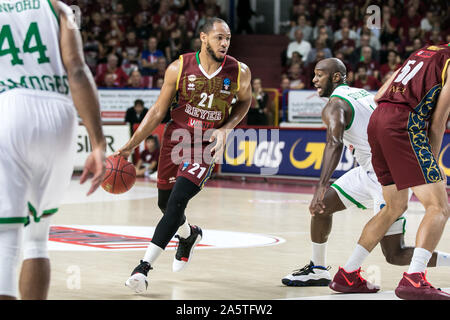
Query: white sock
(356, 259)
(152, 253)
(443, 259)
(419, 260)
(319, 252)
(184, 231)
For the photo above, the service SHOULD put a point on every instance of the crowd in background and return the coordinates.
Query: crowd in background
(323, 29)
(129, 43)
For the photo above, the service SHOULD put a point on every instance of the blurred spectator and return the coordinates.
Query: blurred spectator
(159, 83)
(161, 65)
(435, 37)
(150, 57)
(344, 24)
(364, 42)
(244, 13)
(322, 29)
(407, 41)
(175, 45)
(97, 28)
(131, 48)
(372, 66)
(196, 44)
(320, 45)
(389, 25)
(164, 19)
(192, 17)
(392, 64)
(135, 114)
(365, 81)
(297, 77)
(257, 114)
(111, 68)
(109, 81)
(209, 13)
(410, 20)
(93, 51)
(148, 158)
(426, 24)
(345, 45)
(142, 27)
(137, 81)
(302, 24)
(299, 45)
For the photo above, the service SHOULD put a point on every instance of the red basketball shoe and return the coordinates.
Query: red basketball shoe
(414, 286)
(352, 282)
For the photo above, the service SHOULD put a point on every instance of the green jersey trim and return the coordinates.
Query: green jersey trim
(351, 106)
(359, 205)
(53, 10)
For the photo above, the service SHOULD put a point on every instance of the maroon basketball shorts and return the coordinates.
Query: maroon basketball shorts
(183, 157)
(401, 151)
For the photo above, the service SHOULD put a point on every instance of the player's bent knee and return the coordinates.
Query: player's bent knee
(35, 243)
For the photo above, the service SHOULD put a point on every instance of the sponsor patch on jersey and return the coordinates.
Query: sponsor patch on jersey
(434, 48)
(195, 123)
(226, 84)
(185, 165)
(192, 77)
(425, 54)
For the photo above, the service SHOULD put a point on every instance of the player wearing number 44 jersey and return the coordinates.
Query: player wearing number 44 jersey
(43, 77)
(199, 87)
(405, 135)
(346, 116)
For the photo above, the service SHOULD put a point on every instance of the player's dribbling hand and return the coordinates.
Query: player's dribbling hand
(94, 167)
(123, 152)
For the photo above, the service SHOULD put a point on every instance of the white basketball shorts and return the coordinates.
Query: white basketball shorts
(361, 188)
(37, 147)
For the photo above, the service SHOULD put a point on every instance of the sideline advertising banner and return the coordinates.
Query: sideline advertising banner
(287, 153)
(115, 102)
(116, 136)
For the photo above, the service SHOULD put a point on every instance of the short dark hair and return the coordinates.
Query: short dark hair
(138, 101)
(209, 24)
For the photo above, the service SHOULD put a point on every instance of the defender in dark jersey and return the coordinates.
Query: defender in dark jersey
(405, 134)
(199, 88)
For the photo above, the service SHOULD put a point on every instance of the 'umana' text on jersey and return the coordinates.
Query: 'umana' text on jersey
(204, 101)
(420, 80)
(29, 47)
(362, 104)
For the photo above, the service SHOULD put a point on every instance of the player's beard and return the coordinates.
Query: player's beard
(328, 90)
(212, 54)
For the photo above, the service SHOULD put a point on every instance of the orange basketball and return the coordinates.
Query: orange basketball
(120, 175)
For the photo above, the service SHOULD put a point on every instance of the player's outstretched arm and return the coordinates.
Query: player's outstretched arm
(335, 115)
(156, 113)
(84, 95)
(240, 109)
(439, 118)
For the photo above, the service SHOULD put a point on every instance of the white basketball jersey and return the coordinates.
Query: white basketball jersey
(30, 57)
(355, 135)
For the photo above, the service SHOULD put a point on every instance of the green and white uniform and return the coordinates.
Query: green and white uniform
(37, 115)
(360, 187)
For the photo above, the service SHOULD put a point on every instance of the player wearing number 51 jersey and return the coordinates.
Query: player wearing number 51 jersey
(44, 81)
(199, 87)
(405, 134)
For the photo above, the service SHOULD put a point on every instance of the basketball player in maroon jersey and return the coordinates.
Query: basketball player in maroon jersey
(405, 134)
(199, 87)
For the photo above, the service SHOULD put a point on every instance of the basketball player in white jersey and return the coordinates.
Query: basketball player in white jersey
(43, 76)
(346, 116)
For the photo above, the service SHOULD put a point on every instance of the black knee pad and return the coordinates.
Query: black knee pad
(163, 198)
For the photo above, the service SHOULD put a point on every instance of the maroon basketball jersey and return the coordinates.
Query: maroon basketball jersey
(202, 100)
(420, 80)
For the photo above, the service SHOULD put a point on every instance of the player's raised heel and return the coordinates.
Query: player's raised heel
(138, 279)
(352, 282)
(308, 276)
(185, 248)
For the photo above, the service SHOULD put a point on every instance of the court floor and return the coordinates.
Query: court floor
(254, 234)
